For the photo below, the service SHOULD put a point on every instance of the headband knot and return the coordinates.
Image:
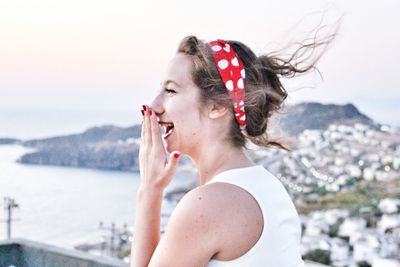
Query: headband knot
(232, 73)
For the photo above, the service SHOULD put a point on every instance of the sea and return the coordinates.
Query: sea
(63, 206)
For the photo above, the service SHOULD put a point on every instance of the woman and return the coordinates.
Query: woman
(214, 98)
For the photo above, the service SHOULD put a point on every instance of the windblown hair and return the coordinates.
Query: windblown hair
(264, 92)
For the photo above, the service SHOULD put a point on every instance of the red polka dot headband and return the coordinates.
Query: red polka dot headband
(232, 72)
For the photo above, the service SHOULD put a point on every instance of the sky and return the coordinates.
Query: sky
(111, 55)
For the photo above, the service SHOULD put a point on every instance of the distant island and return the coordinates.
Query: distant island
(115, 148)
(9, 141)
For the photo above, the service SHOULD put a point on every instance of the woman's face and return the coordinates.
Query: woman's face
(177, 103)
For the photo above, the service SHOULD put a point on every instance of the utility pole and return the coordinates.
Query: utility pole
(112, 229)
(119, 236)
(9, 204)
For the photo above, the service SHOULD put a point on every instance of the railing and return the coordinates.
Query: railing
(27, 253)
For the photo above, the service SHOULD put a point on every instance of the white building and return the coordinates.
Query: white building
(389, 246)
(353, 170)
(369, 174)
(366, 248)
(396, 163)
(351, 225)
(380, 262)
(389, 205)
(340, 252)
(316, 227)
(333, 215)
(388, 221)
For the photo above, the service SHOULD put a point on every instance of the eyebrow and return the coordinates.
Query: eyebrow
(171, 81)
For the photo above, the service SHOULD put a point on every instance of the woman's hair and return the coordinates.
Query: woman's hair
(264, 92)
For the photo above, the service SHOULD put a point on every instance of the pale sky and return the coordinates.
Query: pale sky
(111, 55)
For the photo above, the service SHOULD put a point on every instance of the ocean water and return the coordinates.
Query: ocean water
(63, 206)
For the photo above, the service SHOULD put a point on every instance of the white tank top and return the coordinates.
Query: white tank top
(279, 243)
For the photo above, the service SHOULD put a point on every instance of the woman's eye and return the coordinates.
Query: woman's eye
(169, 91)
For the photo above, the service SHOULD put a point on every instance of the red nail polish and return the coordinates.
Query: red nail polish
(176, 155)
(142, 112)
(150, 111)
(144, 107)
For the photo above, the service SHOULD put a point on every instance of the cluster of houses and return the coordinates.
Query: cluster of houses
(334, 160)
(348, 238)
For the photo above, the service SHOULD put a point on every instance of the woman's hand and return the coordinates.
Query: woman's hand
(155, 171)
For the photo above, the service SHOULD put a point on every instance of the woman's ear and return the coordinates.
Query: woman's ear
(216, 111)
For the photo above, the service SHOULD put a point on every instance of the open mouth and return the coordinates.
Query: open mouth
(168, 129)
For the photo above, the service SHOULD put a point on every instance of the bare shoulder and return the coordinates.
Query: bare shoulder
(218, 199)
(217, 221)
(228, 213)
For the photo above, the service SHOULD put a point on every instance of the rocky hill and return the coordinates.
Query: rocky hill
(9, 141)
(296, 118)
(106, 147)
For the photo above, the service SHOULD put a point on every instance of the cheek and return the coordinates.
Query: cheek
(185, 115)
(188, 124)
(176, 108)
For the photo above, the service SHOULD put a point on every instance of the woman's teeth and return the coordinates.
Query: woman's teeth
(168, 131)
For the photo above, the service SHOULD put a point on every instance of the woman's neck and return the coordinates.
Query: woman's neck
(217, 158)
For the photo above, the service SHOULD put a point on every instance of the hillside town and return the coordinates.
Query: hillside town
(345, 182)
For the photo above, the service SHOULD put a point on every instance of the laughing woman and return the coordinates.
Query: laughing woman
(215, 97)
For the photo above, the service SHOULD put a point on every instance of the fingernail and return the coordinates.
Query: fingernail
(144, 107)
(150, 111)
(142, 112)
(176, 155)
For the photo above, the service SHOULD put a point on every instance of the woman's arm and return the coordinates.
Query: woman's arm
(147, 226)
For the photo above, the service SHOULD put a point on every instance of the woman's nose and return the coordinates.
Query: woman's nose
(156, 105)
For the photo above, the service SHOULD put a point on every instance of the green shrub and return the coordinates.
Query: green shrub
(318, 255)
(363, 264)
